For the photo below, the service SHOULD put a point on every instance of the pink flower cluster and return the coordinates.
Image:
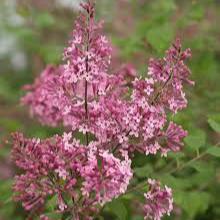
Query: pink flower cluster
(63, 167)
(105, 175)
(117, 112)
(158, 201)
(171, 73)
(44, 102)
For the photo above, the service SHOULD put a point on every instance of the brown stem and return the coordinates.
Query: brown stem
(162, 88)
(115, 148)
(75, 215)
(86, 110)
(87, 69)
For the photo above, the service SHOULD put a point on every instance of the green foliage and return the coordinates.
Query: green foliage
(196, 139)
(215, 123)
(203, 167)
(192, 202)
(44, 20)
(157, 40)
(118, 208)
(214, 151)
(5, 191)
(174, 182)
(54, 215)
(143, 171)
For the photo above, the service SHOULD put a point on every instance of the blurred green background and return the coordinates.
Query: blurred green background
(34, 33)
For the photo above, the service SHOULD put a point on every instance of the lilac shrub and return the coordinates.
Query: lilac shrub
(117, 113)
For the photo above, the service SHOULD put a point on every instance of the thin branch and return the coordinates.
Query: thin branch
(87, 69)
(142, 184)
(162, 88)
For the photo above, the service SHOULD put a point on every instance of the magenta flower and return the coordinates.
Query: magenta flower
(158, 201)
(83, 171)
(46, 163)
(172, 73)
(174, 135)
(106, 176)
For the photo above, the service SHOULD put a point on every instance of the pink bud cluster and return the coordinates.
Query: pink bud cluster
(159, 201)
(117, 112)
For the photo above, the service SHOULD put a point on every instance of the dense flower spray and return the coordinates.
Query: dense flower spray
(158, 201)
(117, 113)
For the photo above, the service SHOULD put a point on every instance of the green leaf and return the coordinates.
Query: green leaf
(196, 140)
(6, 91)
(164, 6)
(214, 125)
(198, 12)
(201, 177)
(143, 171)
(51, 204)
(7, 212)
(4, 151)
(159, 41)
(128, 196)
(44, 20)
(214, 151)
(118, 208)
(192, 202)
(202, 166)
(54, 215)
(176, 155)
(174, 182)
(10, 124)
(51, 53)
(137, 217)
(5, 190)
